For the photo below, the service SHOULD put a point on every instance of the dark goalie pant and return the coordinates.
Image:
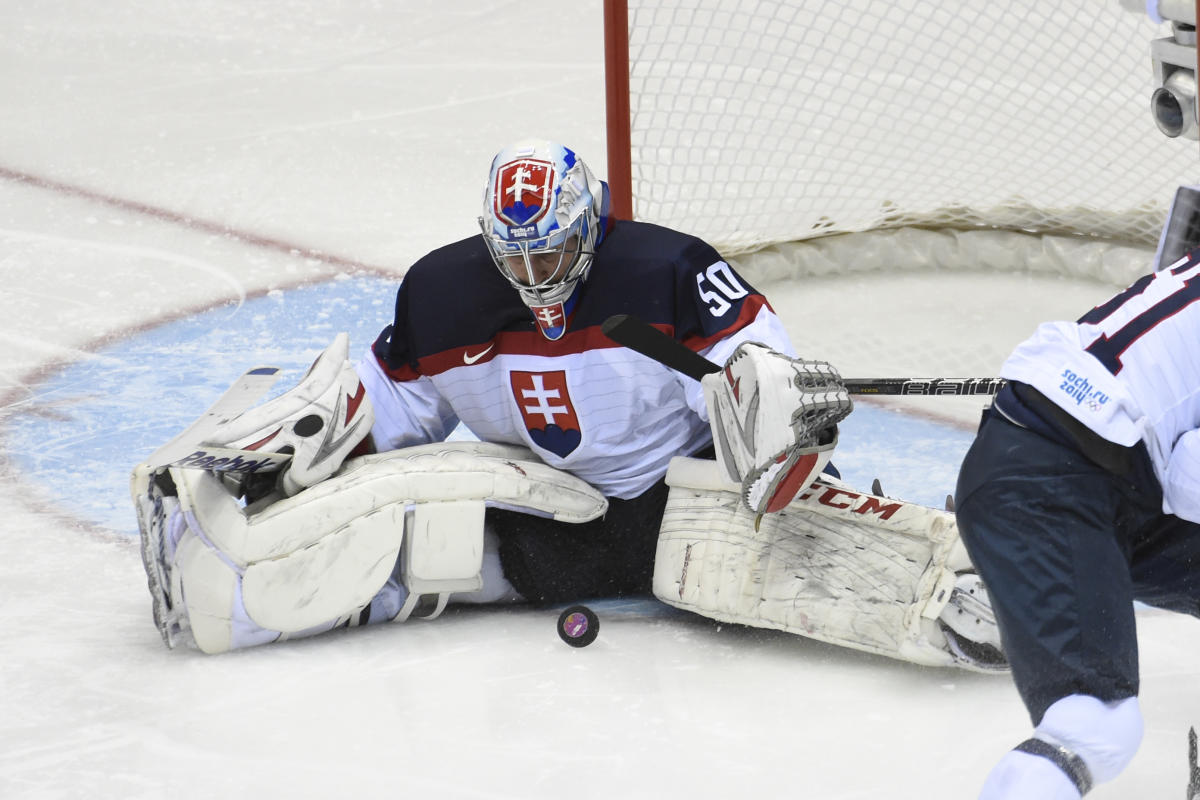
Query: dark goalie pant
(549, 562)
(552, 562)
(1065, 547)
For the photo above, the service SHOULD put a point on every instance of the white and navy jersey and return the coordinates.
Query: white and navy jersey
(1130, 371)
(463, 347)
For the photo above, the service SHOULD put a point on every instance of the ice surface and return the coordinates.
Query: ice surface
(333, 144)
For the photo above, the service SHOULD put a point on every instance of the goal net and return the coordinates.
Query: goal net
(865, 140)
(759, 123)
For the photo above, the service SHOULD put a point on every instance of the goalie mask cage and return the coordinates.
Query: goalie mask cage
(1007, 134)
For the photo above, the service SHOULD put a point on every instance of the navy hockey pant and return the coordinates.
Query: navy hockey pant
(550, 561)
(1065, 547)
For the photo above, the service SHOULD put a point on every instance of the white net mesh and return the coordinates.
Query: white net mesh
(954, 143)
(761, 122)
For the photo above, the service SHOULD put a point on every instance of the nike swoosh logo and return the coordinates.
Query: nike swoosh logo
(472, 359)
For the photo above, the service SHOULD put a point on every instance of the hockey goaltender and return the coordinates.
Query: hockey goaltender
(598, 472)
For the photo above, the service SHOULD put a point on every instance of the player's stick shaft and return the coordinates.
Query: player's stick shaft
(644, 338)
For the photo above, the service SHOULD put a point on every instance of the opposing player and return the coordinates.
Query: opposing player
(1081, 494)
(564, 498)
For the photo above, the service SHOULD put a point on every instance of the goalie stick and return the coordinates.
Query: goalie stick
(644, 338)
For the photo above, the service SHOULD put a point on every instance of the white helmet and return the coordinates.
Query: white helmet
(542, 200)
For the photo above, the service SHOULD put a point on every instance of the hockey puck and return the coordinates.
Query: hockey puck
(578, 626)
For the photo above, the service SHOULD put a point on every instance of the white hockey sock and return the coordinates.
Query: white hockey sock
(1103, 735)
(1021, 776)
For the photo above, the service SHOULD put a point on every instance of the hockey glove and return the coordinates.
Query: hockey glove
(774, 422)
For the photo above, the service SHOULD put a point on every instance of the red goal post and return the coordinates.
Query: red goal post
(761, 124)
(616, 104)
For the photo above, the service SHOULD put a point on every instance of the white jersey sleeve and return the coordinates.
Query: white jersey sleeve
(406, 412)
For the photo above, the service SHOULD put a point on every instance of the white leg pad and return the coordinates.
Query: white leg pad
(301, 562)
(288, 567)
(845, 567)
(340, 572)
(433, 562)
(212, 587)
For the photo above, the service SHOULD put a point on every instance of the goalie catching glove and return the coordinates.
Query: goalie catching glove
(774, 422)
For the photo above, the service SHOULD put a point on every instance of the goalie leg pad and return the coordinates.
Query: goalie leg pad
(239, 575)
(216, 613)
(837, 565)
(435, 561)
(341, 572)
(246, 576)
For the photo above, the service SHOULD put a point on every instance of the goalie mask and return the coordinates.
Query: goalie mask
(544, 214)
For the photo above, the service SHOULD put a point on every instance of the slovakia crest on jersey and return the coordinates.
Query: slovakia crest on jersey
(551, 320)
(523, 195)
(547, 410)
